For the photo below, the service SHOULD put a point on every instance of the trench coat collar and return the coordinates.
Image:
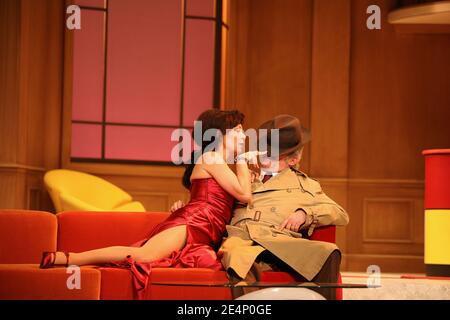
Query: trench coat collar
(286, 179)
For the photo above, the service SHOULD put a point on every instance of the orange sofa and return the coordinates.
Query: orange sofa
(24, 235)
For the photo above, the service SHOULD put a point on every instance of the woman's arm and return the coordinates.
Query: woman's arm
(245, 179)
(238, 185)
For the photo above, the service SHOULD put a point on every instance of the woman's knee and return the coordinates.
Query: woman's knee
(142, 255)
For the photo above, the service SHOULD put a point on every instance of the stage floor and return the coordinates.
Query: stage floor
(397, 286)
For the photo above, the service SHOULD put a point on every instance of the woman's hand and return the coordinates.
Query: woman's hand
(177, 205)
(254, 175)
(251, 157)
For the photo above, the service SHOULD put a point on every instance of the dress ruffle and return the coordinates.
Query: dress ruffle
(191, 256)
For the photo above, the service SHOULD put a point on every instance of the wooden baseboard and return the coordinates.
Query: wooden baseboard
(387, 263)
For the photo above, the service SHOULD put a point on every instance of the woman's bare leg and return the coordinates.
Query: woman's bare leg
(157, 247)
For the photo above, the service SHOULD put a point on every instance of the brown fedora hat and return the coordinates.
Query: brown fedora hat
(291, 133)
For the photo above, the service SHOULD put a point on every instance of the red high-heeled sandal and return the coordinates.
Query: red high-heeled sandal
(48, 259)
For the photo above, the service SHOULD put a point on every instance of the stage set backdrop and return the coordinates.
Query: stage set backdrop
(104, 100)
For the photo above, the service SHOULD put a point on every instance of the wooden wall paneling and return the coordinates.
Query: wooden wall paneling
(386, 219)
(388, 263)
(41, 55)
(236, 78)
(11, 177)
(158, 201)
(31, 82)
(35, 191)
(31, 99)
(330, 101)
(21, 187)
(9, 79)
(265, 35)
(422, 29)
(54, 84)
(12, 187)
(330, 88)
(400, 100)
(399, 105)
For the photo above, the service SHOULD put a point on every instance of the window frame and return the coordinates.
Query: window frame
(220, 57)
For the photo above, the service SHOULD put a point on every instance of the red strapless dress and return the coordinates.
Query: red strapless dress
(205, 216)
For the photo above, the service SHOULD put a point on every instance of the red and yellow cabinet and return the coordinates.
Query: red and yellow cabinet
(437, 212)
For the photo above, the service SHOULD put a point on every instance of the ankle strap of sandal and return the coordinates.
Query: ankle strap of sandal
(67, 258)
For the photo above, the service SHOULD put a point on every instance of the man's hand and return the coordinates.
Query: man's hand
(294, 221)
(177, 205)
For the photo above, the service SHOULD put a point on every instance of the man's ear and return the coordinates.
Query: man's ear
(292, 162)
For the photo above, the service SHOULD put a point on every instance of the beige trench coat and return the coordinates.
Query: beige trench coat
(253, 228)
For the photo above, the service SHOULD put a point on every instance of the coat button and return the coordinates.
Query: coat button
(273, 209)
(289, 190)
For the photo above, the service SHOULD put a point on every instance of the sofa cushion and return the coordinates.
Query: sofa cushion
(117, 284)
(25, 234)
(81, 230)
(159, 292)
(28, 282)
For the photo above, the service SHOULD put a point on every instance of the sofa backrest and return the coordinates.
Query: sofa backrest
(25, 234)
(80, 230)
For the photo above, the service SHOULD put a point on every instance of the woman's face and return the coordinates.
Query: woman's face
(235, 140)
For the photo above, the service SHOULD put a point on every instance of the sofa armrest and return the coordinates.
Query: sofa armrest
(25, 234)
(327, 234)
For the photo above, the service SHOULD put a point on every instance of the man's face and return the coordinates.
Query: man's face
(275, 164)
(270, 164)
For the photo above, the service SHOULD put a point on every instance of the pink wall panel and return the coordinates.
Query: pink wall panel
(86, 141)
(91, 3)
(88, 67)
(199, 69)
(139, 143)
(204, 8)
(144, 61)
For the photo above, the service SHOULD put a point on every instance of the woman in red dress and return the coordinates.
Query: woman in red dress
(190, 235)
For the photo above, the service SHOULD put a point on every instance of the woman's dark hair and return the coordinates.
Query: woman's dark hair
(211, 119)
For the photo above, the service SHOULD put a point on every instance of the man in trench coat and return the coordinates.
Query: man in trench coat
(287, 205)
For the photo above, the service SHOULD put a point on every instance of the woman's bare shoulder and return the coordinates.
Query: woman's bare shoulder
(211, 158)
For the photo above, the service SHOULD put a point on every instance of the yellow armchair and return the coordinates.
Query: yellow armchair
(73, 190)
